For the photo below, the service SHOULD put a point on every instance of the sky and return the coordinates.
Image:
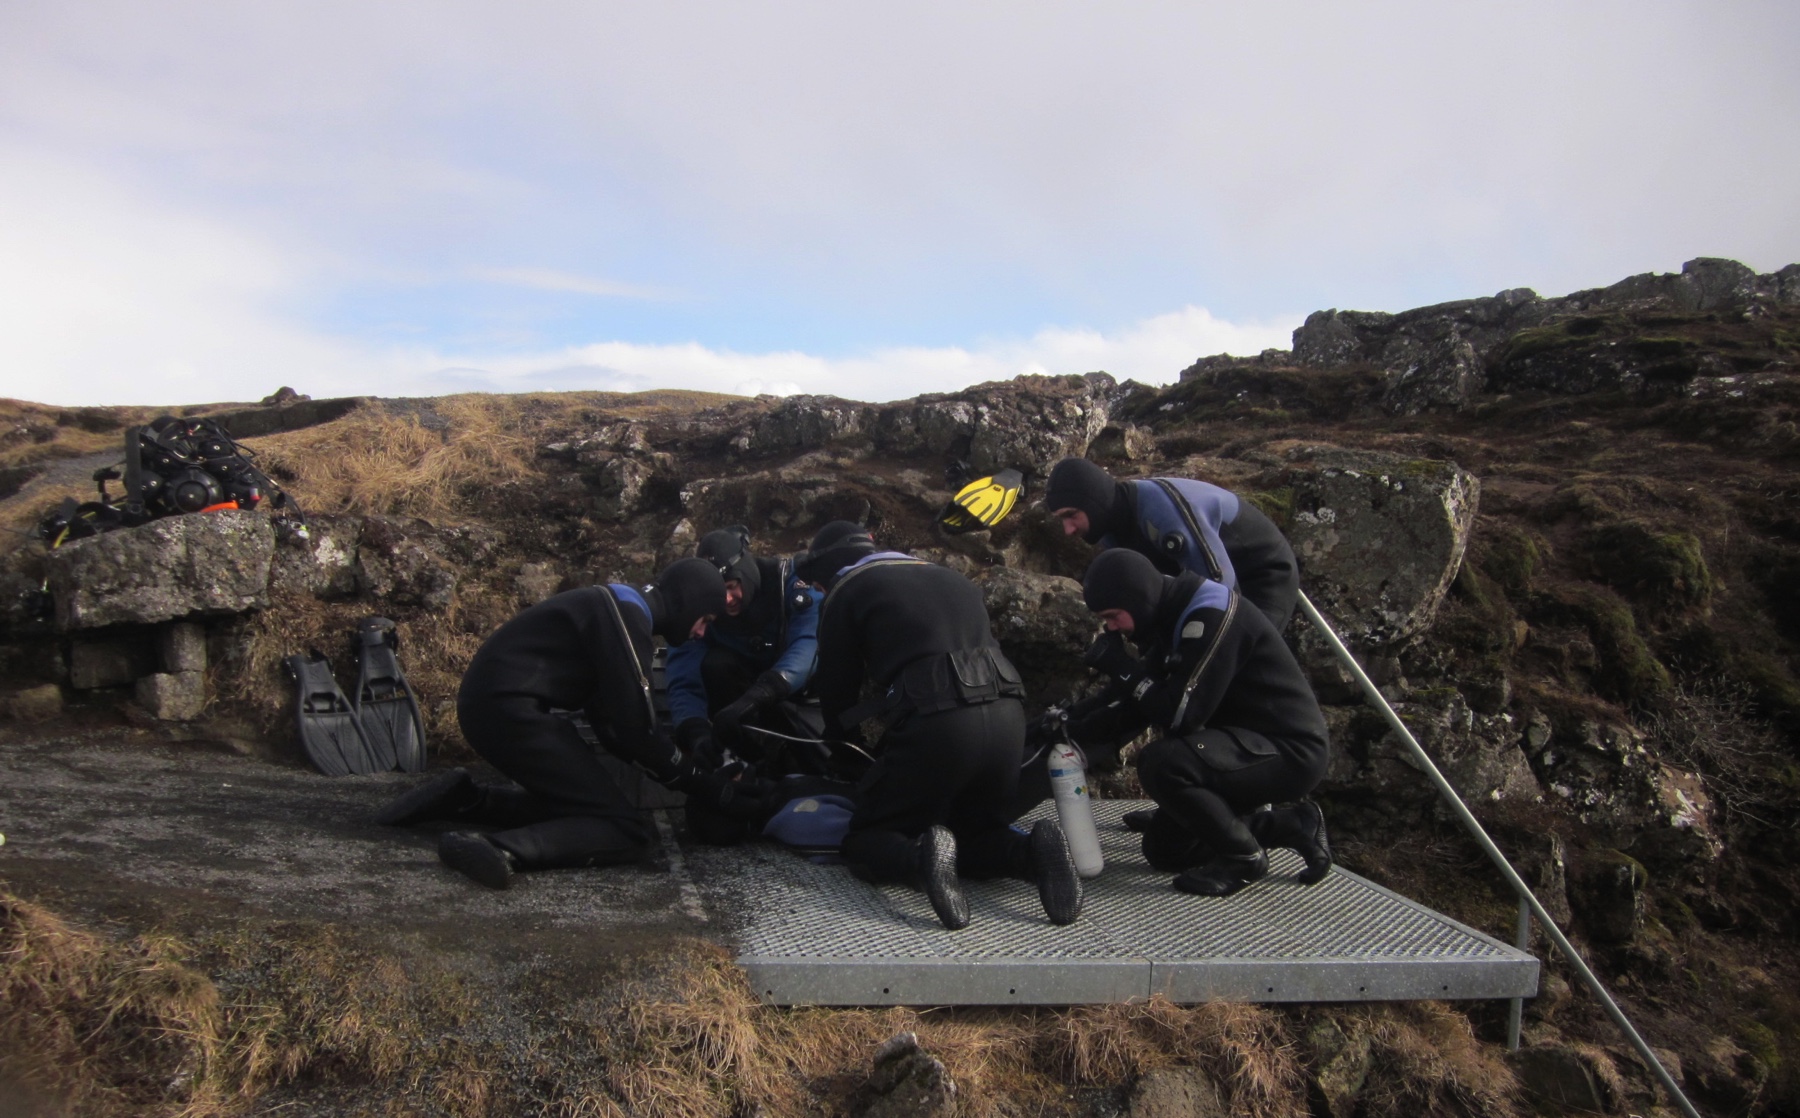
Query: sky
(206, 201)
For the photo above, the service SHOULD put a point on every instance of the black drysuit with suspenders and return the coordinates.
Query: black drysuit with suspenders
(587, 650)
(955, 727)
(1241, 725)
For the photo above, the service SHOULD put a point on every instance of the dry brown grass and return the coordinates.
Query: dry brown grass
(429, 458)
(376, 460)
(1427, 1061)
(138, 1027)
(707, 1049)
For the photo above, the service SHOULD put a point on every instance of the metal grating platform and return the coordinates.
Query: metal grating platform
(814, 935)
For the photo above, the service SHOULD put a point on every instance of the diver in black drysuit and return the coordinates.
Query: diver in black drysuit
(1181, 525)
(934, 804)
(587, 650)
(1241, 725)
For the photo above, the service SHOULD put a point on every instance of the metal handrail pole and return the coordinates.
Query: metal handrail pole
(1479, 833)
(1515, 1010)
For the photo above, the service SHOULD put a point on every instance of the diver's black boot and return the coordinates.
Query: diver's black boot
(444, 796)
(1139, 821)
(1053, 868)
(473, 856)
(937, 877)
(1224, 875)
(1301, 828)
(1170, 847)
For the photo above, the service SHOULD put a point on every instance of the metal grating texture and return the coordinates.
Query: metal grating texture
(814, 935)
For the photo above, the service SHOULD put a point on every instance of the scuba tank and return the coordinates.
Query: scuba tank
(1074, 808)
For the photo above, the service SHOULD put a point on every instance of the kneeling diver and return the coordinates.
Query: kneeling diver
(934, 805)
(588, 650)
(1241, 725)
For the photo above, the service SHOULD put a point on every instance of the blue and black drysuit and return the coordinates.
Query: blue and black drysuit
(1184, 525)
(775, 633)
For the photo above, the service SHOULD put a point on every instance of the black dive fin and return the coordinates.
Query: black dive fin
(333, 742)
(385, 703)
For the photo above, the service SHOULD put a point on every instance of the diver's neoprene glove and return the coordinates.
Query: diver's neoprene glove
(1110, 656)
(695, 736)
(770, 687)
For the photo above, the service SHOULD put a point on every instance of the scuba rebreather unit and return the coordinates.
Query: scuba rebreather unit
(982, 503)
(172, 466)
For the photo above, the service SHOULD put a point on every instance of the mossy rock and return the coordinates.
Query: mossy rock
(1666, 570)
(1276, 504)
(1628, 671)
(1509, 555)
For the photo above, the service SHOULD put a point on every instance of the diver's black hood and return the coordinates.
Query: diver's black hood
(1119, 578)
(835, 546)
(728, 549)
(686, 591)
(1076, 483)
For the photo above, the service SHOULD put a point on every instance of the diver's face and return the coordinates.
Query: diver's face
(1117, 620)
(734, 597)
(1074, 521)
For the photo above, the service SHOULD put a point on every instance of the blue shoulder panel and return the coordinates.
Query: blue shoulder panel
(1211, 595)
(631, 594)
(1164, 527)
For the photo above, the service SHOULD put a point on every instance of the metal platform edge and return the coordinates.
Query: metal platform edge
(776, 980)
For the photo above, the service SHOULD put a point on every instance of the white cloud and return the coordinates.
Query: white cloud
(1153, 351)
(546, 279)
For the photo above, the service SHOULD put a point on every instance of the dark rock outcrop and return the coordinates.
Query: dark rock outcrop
(1439, 357)
(180, 565)
(905, 1082)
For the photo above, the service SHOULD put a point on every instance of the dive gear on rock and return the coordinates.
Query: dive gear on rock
(171, 466)
(982, 503)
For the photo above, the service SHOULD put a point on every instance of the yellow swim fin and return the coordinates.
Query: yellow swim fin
(982, 503)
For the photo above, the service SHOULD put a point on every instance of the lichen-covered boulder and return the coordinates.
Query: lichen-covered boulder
(409, 562)
(1026, 423)
(801, 423)
(322, 562)
(211, 563)
(1379, 537)
(619, 487)
(1041, 611)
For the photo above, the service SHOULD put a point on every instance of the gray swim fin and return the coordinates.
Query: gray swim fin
(385, 704)
(333, 742)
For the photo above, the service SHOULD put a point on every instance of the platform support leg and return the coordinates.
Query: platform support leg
(1516, 1011)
